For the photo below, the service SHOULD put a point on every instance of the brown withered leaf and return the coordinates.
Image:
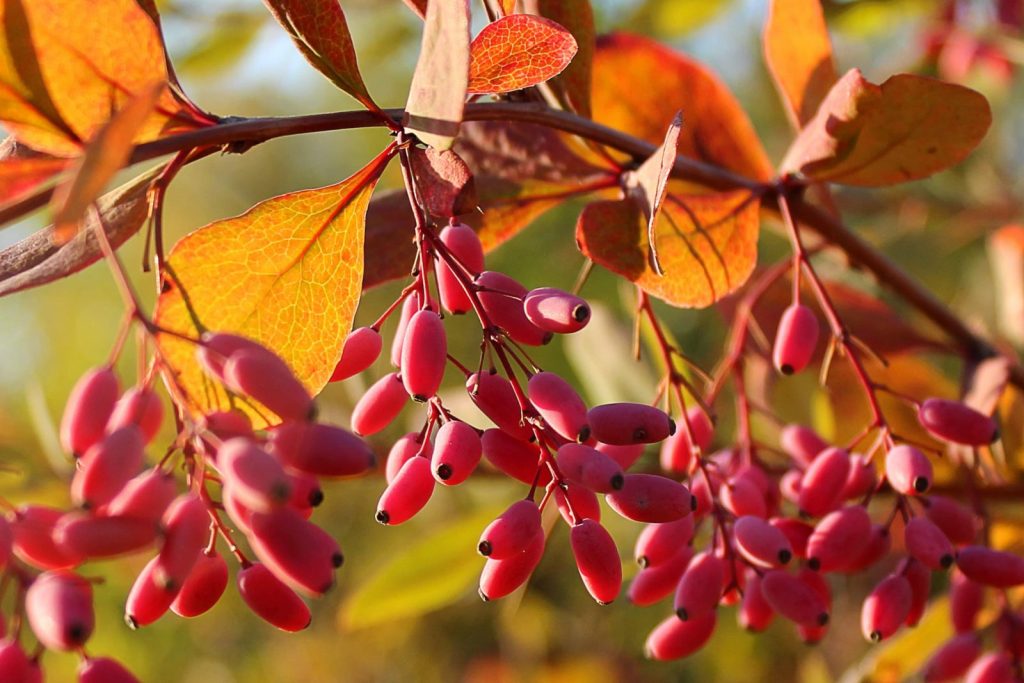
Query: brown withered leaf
(905, 129)
(37, 259)
(648, 184)
(443, 181)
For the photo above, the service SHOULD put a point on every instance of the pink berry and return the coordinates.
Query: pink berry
(994, 667)
(501, 577)
(6, 546)
(878, 546)
(794, 598)
(577, 503)
(58, 605)
(590, 467)
(627, 423)
(658, 581)
(255, 477)
(187, 529)
(651, 498)
(754, 613)
(560, 405)
(203, 587)
(996, 568)
(495, 397)
(362, 348)
(795, 340)
(407, 494)
(265, 377)
(217, 347)
(517, 459)
(920, 579)
(958, 522)
(321, 450)
(424, 355)
(625, 455)
(295, 550)
(966, 598)
(102, 537)
(597, 559)
(761, 543)
(955, 422)
(556, 311)
(886, 608)
(464, 245)
(908, 470)
(88, 408)
(404, 449)
(862, 479)
(139, 406)
(107, 467)
(823, 482)
(457, 452)
(658, 543)
(675, 639)
(700, 587)
(104, 670)
(271, 599)
(14, 663)
(839, 537)
(796, 531)
(380, 405)
(953, 658)
(679, 451)
(512, 531)
(801, 442)
(32, 529)
(926, 542)
(411, 304)
(146, 496)
(502, 299)
(741, 496)
(148, 600)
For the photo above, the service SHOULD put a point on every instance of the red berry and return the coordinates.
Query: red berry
(107, 467)
(297, 551)
(597, 559)
(958, 522)
(886, 608)
(626, 423)
(320, 450)
(675, 639)
(838, 538)
(58, 605)
(517, 459)
(625, 455)
(457, 451)
(761, 543)
(754, 613)
(996, 568)
(217, 347)
(795, 340)
(203, 587)
(582, 501)
(424, 355)
(803, 443)
(501, 297)
(862, 479)
(512, 531)
(255, 477)
(878, 546)
(410, 306)
(966, 598)
(952, 660)
(139, 406)
(589, 467)
(146, 496)
(104, 670)
(102, 537)
(741, 496)
(658, 543)
(700, 587)
(187, 529)
(796, 531)
(556, 311)
(926, 542)
(823, 482)
(908, 470)
(495, 397)
(272, 600)
(679, 451)
(265, 377)
(6, 546)
(994, 667)
(362, 348)
(380, 405)
(501, 577)
(651, 498)
(404, 449)
(955, 422)
(920, 579)
(794, 598)
(560, 405)
(89, 407)
(407, 494)
(464, 245)
(32, 528)
(147, 600)
(14, 663)
(658, 581)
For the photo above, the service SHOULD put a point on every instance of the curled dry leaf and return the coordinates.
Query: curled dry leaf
(444, 182)
(799, 56)
(38, 259)
(872, 135)
(516, 52)
(287, 273)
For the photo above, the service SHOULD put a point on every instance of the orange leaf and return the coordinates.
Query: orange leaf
(572, 86)
(639, 84)
(707, 244)
(288, 273)
(38, 259)
(66, 66)
(107, 152)
(444, 182)
(516, 52)
(437, 95)
(22, 169)
(649, 183)
(1006, 256)
(906, 129)
(319, 30)
(799, 55)
(507, 6)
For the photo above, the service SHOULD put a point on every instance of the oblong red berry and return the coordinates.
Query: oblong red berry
(404, 449)
(741, 496)
(966, 598)
(626, 455)
(457, 452)
(577, 503)
(14, 663)
(658, 543)
(651, 498)
(59, 608)
(518, 459)
(559, 405)
(148, 600)
(626, 423)
(88, 408)
(589, 467)
(271, 599)
(956, 422)
(108, 466)
(512, 531)
(225, 424)
(802, 443)
(879, 545)
(139, 406)
(321, 450)
(463, 243)
(862, 480)
(920, 579)
(794, 598)
(362, 348)
(679, 451)
(255, 477)
(754, 613)
(761, 543)
(216, 347)
(424, 355)
(410, 305)
(886, 608)
(6, 546)
(306, 493)
(556, 311)
(500, 577)
(501, 297)
(797, 532)
(103, 537)
(186, 531)
(823, 482)
(380, 405)
(996, 568)
(203, 587)
(297, 551)
(407, 494)
(145, 496)
(265, 377)
(597, 559)
(795, 340)
(104, 670)
(658, 581)
(494, 396)
(957, 521)
(32, 530)
(908, 470)
(926, 542)
(838, 538)
(953, 658)
(675, 639)
(700, 586)
(995, 667)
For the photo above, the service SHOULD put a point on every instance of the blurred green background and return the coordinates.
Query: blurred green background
(406, 607)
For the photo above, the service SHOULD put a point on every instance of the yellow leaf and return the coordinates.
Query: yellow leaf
(287, 273)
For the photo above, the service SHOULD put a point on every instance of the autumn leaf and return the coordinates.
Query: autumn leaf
(717, 129)
(418, 6)
(516, 52)
(287, 273)
(444, 182)
(649, 183)
(1006, 256)
(799, 56)
(706, 244)
(437, 95)
(319, 29)
(106, 153)
(23, 169)
(905, 129)
(572, 86)
(65, 67)
(38, 259)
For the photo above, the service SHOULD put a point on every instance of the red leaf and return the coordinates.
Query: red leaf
(906, 129)
(22, 170)
(444, 182)
(516, 52)
(438, 91)
(418, 6)
(319, 30)
(799, 55)
(572, 86)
